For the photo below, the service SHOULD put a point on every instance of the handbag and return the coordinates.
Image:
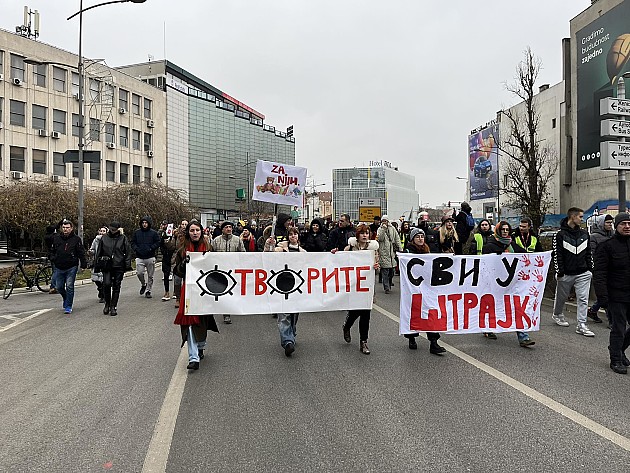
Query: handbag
(104, 263)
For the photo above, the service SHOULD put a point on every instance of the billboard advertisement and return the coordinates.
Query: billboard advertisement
(603, 53)
(483, 163)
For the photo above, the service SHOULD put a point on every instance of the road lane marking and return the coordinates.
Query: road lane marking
(546, 401)
(157, 454)
(19, 321)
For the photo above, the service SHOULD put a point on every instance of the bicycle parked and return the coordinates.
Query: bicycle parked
(41, 276)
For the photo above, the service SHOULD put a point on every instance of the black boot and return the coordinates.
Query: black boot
(113, 311)
(107, 295)
(436, 349)
(412, 343)
(106, 308)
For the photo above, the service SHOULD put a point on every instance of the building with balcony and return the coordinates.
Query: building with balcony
(125, 118)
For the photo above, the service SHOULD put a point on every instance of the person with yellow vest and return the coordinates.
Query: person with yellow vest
(480, 237)
(526, 238)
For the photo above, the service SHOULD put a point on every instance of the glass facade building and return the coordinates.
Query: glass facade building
(396, 190)
(213, 140)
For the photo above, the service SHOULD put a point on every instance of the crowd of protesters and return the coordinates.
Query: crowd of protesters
(578, 258)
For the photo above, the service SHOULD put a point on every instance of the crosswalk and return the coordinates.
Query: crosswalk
(9, 321)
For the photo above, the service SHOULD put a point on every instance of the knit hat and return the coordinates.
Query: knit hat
(414, 232)
(282, 219)
(384, 217)
(608, 217)
(226, 223)
(621, 217)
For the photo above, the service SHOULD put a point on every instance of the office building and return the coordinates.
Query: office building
(39, 118)
(214, 140)
(396, 191)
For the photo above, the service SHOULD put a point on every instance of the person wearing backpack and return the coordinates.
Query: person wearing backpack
(464, 224)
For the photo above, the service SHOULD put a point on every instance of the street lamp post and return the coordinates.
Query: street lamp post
(82, 103)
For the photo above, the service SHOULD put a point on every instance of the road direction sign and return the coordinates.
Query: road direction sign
(72, 156)
(369, 208)
(614, 155)
(615, 128)
(375, 202)
(614, 106)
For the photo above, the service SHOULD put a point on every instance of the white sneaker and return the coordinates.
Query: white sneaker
(560, 320)
(582, 329)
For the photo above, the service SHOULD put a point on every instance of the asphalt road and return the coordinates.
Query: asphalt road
(84, 393)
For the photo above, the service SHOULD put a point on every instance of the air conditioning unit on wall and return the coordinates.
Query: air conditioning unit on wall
(55, 134)
(17, 81)
(150, 154)
(54, 178)
(122, 110)
(150, 123)
(111, 145)
(42, 132)
(16, 175)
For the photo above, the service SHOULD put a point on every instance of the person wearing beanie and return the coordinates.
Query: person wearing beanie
(418, 245)
(227, 242)
(113, 256)
(573, 262)
(388, 244)
(601, 231)
(612, 286)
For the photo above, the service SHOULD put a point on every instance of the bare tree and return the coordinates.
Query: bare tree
(530, 165)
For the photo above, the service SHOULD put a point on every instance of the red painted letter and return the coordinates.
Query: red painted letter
(243, 273)
(261, 285)
(486, 309)
(362, 278)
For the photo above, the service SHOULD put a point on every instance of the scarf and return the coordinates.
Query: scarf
(507, 241)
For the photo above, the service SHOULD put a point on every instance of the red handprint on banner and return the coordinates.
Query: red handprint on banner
(535, 306)
(538, 275)
(526, 261)
(539, 261)
(534, 291)
(523, 276)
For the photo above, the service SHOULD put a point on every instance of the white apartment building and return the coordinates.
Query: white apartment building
(39, 118)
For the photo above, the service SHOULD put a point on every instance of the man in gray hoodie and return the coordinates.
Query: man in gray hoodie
(601, 231)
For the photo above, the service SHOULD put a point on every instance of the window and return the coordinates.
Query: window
(75, 84)
(39, 161)
(75, 169)
(123, 99)
(147, 108)
(108, 94)
(553, 123)
(1, 61)
(1, 149)
(59, 168)
(135, 104)
(39, 75)
(124, 173)
(110, 171)
(76, 128)
(16, 159)
(110, 132)
(124, 136)
(59, 79)
(135, 135)
(39, 117)
(148, 141)
(136, 174)
(1, 106)
(95, 88)
(17, 113)
(95, 171)
(95, 129)
(17, 67)
(59, 121)
(147, 175)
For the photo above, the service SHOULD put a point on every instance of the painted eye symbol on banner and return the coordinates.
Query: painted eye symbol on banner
(287, 281)
(216, 282)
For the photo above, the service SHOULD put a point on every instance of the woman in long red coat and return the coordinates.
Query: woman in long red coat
(194, 327)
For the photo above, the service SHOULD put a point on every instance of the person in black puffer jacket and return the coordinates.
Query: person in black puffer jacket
(67, 253)
(612, 286)
(573, 262)
(145, 243)
(115, 246)
(315, 239)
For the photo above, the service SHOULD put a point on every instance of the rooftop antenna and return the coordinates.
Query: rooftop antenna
(30, 26)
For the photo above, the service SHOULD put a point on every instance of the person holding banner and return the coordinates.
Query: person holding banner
(417, 245)
(194, 328)
(480, 237)
(287, 323)
(501, 242)
(360, 242)
(227, 242)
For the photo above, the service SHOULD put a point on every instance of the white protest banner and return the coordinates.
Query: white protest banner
(279, 183)
(267, 283)
(472, 294)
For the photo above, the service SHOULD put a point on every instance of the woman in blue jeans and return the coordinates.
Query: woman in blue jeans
(287, 322)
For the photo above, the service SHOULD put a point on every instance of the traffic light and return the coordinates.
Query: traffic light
(449, 203)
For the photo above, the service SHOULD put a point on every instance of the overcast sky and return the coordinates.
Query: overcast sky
(360, 80)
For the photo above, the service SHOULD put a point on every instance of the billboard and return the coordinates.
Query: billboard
(603, 51)
(483, 163)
